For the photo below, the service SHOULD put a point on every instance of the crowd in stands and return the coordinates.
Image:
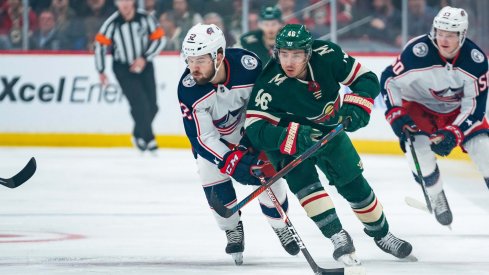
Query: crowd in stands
(72, 24)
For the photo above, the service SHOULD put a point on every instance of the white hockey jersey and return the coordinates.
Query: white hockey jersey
(214, 115)
(422, 75)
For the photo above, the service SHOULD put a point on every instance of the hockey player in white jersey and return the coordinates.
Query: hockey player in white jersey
(437, 89)
(213, 93)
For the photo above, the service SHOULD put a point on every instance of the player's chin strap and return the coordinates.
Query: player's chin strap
(216, 69)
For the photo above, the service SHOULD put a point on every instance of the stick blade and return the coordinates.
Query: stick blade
(416, 204)
(349, 270)
(218, 206)
(21, 177)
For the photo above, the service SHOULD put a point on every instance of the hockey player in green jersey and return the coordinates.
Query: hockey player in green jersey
(262, 41)
(296, 95)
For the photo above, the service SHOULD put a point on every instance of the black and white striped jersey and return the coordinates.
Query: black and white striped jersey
(140, 37)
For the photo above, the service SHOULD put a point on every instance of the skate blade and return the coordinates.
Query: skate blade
(355, 270)
(349, 260)
(238, 258)
(410, 258)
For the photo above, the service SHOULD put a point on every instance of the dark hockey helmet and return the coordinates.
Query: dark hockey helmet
(271, 13)
(293, 37)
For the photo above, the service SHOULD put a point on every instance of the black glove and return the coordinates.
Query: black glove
(399, 120)
(297, 138)
(358, 109)
(444, 140)
(237, 163)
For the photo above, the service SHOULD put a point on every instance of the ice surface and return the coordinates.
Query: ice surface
(113, 211)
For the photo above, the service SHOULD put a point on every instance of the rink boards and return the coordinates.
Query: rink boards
(56, 100)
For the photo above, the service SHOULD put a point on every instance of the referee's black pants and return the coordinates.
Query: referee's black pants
(140, 91)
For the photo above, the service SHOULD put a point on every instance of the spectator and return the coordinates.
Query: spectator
(46, 37)
(184, 17)
(216, 19)
(321, 17)
(385, 25)
(173, 33)
(420, 17)
(152, 7)
(70, 29)
(288, 8)
(11, 23)
(39, 5)
(262, 41)
(98, 11)
(253, 19)
(318, 23)
(63, 13)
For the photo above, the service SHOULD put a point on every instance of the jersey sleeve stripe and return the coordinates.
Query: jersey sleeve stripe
(242, 86)
(254, 116)
(197, 124)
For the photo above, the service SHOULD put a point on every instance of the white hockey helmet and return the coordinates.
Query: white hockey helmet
(452, 20)
(203, 39)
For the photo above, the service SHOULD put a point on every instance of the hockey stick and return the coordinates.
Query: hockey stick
(225, 212)
(418, 170)
(21, 177)
(356, 270)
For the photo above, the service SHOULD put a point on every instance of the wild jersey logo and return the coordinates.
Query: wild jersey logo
(277, 79)
(477, 56)
(250, 39)
(188, 81)
(328, 112)
(420, 49)
(323, 50)
(449, 94)
(249, 62)
(262, 99)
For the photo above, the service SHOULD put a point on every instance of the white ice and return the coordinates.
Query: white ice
(148, 215)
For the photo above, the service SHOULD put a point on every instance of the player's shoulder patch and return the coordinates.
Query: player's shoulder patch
(188, 81)
(249, 62)
(477, 55)
(420, 49)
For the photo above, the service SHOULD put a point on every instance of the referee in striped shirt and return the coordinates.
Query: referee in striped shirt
(135, 39)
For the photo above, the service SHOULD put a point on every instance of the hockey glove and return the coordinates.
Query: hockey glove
(399, 120)
(358, 109)
(297, 138)
(444, 140)
(237, 163)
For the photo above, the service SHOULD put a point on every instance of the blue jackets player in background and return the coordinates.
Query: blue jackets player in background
(437, 88)
(213, 93)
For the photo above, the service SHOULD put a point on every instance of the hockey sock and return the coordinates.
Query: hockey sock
(366, 207)
(320, 208)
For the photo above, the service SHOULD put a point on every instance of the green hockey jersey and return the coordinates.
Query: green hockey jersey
(253, 41)
(277, 99)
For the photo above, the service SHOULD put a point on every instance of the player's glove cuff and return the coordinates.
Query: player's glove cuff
(363, 102)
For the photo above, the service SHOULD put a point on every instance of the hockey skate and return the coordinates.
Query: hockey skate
(442, 211)
(152, 147)
(235, 246)
(287, 240)
(394, 246)
(344, 250)
(139, 143)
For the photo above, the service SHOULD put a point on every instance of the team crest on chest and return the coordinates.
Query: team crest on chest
(249, 62)
(188, 81)
(420, 49)
(477, 56)
(449, 94)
